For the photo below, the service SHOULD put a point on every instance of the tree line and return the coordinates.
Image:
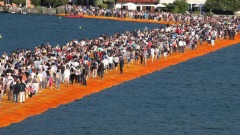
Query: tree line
(178, 6)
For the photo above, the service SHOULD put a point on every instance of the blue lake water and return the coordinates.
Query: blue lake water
(196, 97)
(27, 31)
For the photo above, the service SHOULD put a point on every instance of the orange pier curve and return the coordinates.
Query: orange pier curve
(16, 112)
(121, 19)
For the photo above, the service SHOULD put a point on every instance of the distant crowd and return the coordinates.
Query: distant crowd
(25, 73)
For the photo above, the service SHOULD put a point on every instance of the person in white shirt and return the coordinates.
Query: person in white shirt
(110, 60)
(152, 53)
(116, 61)
(66, 76)
(181, 46)
(40, 79)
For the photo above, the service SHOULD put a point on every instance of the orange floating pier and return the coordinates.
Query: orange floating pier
(114, 18)
(16, 112)
(127, 19)
(71, 16)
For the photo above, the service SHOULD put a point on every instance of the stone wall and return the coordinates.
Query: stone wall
(1, 9)
(34, 10)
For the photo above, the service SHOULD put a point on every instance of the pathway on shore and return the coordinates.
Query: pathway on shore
(16, 112)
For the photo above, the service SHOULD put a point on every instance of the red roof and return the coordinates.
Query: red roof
(139, 1)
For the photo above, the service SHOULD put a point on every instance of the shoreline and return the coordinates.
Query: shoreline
(12, 113)
(121, 19)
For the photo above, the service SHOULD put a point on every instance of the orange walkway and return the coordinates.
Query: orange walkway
(122, 19)
(12, 112)
(125, 19)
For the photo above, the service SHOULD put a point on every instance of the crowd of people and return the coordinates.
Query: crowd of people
(124, 13)
(25, 73)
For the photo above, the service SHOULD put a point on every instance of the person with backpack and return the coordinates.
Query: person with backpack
(22, 92)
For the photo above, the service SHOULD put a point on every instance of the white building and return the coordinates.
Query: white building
(188, 1)
(149, 5)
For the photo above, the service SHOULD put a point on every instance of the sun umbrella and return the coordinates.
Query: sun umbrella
(130, 6)
(199, 5)
(159, 5)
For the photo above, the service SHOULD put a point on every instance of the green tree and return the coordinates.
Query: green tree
(57, 3)
(80, 2)
(98, 2)
(18, 2)
(10, 1)
(54, 3)
(176, 9)
(169, 8)
(223, 5)
(108, 1)
(47, 3)
(180, 6)
(36, 2)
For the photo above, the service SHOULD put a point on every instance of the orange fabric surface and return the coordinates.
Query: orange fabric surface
(16, 112)
(127, 19)
(123, 19)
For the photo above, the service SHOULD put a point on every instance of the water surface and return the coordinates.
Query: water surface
(196, 97)
(27, 31)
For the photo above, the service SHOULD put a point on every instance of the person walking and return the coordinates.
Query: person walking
(22, 92)
(121, 64)
(35, 84)
(57, 80)
(116, 61)
(1, 92)
(94, 69)
(101, 70)
(10, 88)
(152, 53)
(66, 76)
(16, 91)
(83, 76)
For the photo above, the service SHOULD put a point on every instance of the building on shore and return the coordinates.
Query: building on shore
(139, 5)
(8, 3)
(149, 5)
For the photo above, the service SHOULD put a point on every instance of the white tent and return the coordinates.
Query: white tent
(118, 6)
(199, 5)
(130, 6)
(159, 5)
